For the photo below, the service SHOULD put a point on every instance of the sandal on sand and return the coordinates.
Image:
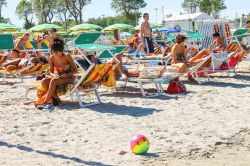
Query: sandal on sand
(48, 107)
(41, 107)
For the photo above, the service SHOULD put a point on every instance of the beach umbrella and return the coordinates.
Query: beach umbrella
(45, 27)
(155, 25)
(152, 25)
(169, 30)
(126, 34)
(84, 27)
(194, 35)
(7, 27)
(137, 28)
(118, 26)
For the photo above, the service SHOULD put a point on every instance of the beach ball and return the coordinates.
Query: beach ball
(139, 144)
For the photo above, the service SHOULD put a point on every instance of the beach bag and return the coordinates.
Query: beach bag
(224, 66)
(176, 87)
(41, 96)
(233, 61)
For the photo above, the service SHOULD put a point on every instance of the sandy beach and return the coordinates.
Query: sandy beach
(207, 126)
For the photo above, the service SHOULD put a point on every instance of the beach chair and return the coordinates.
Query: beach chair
(219, 58)
(156, 82)
(193, 71)
(239, 34)
(6, 42)
(90, 81)
(85, 42)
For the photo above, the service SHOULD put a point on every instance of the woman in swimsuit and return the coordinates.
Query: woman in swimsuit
(62, 71)
(20, 63)
(218, 43)
(179, 58)
(20, 44)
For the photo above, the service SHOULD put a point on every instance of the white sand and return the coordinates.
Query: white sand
(207, 126)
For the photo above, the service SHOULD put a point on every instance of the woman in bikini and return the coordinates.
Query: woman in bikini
(20, 44)
(62, 71)
(218, 43)
(179, 54)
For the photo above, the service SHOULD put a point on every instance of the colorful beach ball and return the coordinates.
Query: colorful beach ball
(139, 144)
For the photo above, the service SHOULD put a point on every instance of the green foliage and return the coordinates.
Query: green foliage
(5, 20)
(75, 8)
(44, 10)
(130, 9)
(191, 6)
(106, 21)
(212, 6)
(2, 4)
(24, 11)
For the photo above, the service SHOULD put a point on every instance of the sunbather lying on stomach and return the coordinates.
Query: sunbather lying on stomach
(62, 71)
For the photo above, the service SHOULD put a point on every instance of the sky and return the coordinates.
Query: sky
(102, 7)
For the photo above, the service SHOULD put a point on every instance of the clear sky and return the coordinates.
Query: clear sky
(102, 7)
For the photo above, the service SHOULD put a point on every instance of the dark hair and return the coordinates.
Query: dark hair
(85, 64)
(58, 45)
(26, 34)
(180, 38)
(145, 14)
(216, 34)
(53, 30)
(248, 21)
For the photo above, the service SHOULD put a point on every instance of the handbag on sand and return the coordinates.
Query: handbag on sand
(224, 66)
(176, 87)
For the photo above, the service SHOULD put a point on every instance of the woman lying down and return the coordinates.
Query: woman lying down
(20, 63)
(120, 68)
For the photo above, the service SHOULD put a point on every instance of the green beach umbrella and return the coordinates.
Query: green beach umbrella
(84, 27)
(44, 27)
(194, 35)
(152, 25)
(7, 27)
(155, 25)
(118, 26)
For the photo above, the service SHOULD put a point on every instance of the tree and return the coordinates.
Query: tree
(191, 6)
(2, 4)
(44, 10)
(129, 8)
(24, 11)
(62, 13)
(212, 6)
(75, 8)
(106, 21)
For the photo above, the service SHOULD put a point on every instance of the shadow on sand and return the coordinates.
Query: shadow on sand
(51, 154)
(114, 109)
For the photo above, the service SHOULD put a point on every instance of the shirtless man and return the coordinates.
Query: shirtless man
(146, 34)
(52, 36)
(20, 44)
